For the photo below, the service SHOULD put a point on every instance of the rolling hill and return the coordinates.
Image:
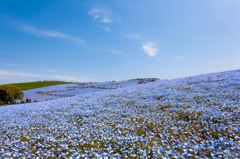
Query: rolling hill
(192, 117)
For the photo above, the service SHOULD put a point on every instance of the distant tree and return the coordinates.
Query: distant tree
(3, 96)
(9, 93)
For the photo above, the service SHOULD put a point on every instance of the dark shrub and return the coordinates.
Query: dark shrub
(9, 93)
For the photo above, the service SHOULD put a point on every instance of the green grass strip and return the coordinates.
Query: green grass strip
(38, 84)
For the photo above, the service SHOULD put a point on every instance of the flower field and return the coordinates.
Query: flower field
(192, 117)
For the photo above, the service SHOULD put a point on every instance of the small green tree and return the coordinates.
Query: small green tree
(9, 93)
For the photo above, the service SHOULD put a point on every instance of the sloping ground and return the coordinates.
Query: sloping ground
(38, 84)
(194, 117)
(33, 95)
(66, 90)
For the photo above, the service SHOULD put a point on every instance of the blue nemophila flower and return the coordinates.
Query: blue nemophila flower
(181, 118)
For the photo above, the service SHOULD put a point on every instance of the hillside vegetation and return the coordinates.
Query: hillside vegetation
(193, 117)
(9, 93)
(37, 84)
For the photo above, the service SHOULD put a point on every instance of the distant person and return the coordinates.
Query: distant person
(27, 100)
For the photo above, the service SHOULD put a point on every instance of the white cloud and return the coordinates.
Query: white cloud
(48, 33)
(150, 48)
(101, 15)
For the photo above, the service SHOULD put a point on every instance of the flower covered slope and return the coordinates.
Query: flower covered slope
(193, 117)
(67, 90)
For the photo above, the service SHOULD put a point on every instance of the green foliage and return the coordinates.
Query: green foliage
(3, 95)
(9, 93)
(187, 116)
(38, 84)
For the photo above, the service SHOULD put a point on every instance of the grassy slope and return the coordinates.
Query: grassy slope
(38, 84)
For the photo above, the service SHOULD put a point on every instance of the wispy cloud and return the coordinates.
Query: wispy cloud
(230, 63)
(177, 60)
(150, 48)
(106, 28)
(133, 36)
(9, 74)
(39, 32)
(47, 70)
(116, 52)
(102, 17)
(13, 75)
(10, 64)
(71, 78)
(48, 33)
(180, 58)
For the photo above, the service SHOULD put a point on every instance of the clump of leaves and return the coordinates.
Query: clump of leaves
(189, 116)
(23, 139)
(164, 108)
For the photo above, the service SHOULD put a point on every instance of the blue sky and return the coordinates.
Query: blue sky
(104, 40)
